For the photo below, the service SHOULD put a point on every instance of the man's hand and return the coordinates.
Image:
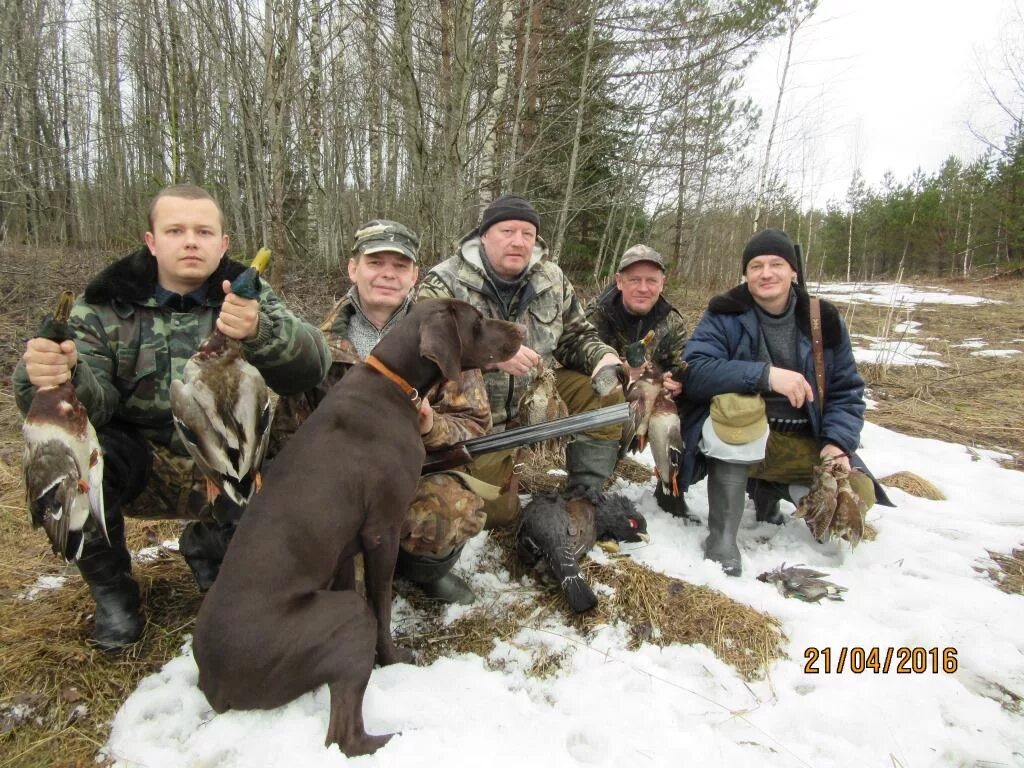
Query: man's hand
(673, 387)
(426, 415)
(239, 318)
(608, 359)
(837, 454)
(521, 363)
(792, 385)
(49, 363)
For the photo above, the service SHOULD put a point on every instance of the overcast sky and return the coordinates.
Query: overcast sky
(885, 85)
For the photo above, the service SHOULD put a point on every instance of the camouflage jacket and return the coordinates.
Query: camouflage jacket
(546, 304)
(130, 347)
(460, 407)
(617, 327)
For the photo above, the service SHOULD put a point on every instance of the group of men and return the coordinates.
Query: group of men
(141, 319)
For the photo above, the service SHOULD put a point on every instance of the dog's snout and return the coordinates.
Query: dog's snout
(520, 329)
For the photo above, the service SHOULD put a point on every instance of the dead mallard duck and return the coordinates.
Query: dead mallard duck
(802, 583)
(654, 418)
(63, 463)
(221, 406)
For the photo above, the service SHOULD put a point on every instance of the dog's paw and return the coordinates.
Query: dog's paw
(395, 654)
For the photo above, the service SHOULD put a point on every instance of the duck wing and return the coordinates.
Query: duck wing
(63, 484)
(221, 409)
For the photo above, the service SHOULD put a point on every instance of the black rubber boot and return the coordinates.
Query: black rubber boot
(434, 576)
(589, 462)
(674, 505)
(107, 571)
(727, 493)
(766, 498)
(203, 544)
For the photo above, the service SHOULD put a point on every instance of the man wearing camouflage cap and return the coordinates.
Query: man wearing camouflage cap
(139, 322)
(500, 269)
(383, 268)
(630, 308)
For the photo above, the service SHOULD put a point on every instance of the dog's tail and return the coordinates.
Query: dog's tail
(565, 568)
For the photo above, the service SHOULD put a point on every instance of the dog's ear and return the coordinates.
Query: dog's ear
(440, 341)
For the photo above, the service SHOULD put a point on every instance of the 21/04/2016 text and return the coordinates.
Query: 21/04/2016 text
(858, 660)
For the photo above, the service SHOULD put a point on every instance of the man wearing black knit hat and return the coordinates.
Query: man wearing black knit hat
(500, 269)
(757, 413)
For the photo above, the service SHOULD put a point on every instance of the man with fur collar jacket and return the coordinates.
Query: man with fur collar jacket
(756, 338)
(138, 323)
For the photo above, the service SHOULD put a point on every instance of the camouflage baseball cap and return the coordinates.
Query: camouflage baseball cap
(382, 235)
(641, 253)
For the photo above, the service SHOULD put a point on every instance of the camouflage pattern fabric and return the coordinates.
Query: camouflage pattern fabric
(129, 351)
(175, 489)
(556, 328)
(791, 459)
(666, 350)
(443, 516)
(461, 409)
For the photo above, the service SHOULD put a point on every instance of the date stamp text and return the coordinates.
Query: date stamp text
(859, 660)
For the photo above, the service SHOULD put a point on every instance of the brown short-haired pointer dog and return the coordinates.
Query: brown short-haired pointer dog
(282, 617)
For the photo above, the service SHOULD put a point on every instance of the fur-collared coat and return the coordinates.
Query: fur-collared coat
(130, 346)
(723, 357)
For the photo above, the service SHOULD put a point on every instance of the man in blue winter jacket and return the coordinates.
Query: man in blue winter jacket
(756, 339)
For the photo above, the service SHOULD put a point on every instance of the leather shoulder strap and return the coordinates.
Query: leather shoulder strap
(818, 348)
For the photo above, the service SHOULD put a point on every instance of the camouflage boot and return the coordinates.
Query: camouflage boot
(434, 576)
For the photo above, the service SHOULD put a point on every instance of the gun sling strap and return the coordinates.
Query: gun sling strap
(818, 349)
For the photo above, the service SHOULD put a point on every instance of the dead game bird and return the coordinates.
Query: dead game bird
(848, 521)
(221, 407)
(562, 529)
(542, 403)
(63, 463)
(802, 583)
(818, 507)
(654, 418)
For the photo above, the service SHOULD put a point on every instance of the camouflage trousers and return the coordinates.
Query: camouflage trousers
(442, 517)
(497, 468)
(790, 459)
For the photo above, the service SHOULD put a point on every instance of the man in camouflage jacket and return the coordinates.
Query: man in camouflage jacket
(447, 510)
(138, 323)
(500, 269)
(629, 309)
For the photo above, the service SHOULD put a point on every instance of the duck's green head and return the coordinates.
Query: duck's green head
(55, 327)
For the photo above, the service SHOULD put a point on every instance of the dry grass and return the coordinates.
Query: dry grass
(1007, 570)
(656, 608)
(913, 484)
(972, 399)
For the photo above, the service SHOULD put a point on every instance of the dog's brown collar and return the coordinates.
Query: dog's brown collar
(405, 386)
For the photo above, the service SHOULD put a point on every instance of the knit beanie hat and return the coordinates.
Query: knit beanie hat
(506, 208)
(770, 242)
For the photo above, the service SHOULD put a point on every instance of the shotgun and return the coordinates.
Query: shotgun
(464, 452)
